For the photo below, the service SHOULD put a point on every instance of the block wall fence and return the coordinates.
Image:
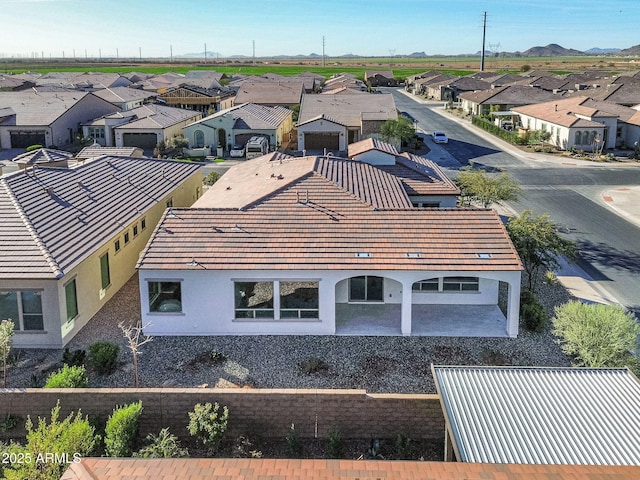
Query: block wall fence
(261, 412)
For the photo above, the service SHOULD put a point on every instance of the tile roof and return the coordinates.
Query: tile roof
(541, 415)
(320, 469)
(42, 108)
(312, 225)
(348, 109)
(155, 116)
(369, 144)
(53, 218)
(42, 156)
(123, 94)
(97, 150)
(509, 95)
(270, 93)
(567, 112)
(421, 176)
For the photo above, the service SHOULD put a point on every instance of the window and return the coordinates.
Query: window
(198, 138)
(24, 308)
(126, 237)
(448, 284)
(165, 296)
(299, 300)
(253, 299)
(143, 224)
(431, 285)
(366, 289)
(71, 299)
(105, 276)
(116, 245)
(460, 284)
(135, 230)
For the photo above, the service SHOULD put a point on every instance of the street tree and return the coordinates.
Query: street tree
(477, 187)
(6, 337)
(538, 244)
(132, 333)
(401, 130)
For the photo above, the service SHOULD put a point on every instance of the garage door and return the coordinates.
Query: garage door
(319, 141)
(26, 139)
(146, 141)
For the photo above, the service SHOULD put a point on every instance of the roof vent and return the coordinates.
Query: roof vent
(192, 263)
(364, 255)
(413, 255)
(484, 255)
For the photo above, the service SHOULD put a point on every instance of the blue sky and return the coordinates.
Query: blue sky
(362, 27)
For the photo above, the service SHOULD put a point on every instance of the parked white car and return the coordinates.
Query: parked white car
(439, 137)
(237, 151)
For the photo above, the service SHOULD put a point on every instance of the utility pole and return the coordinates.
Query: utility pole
(254, 52)
(484, 33)
(140, 52)
(323, 51)
(171, 53)
(205, 53)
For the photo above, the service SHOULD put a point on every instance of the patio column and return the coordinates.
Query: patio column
(405, 311)
(513, 307)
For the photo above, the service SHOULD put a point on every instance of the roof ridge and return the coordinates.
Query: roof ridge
(32, 231)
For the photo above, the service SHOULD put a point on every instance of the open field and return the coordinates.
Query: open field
(401, 66)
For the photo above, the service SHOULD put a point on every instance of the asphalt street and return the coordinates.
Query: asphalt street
(570, 192)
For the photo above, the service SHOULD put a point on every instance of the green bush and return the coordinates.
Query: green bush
(294, 446)
(335, 444)
(104, 357)
(74, 358)
(532, 314)
(31, 148)
(163, 445)
(212, 178)
(597, 335)
(313, 365)
(208, 424)
(403, 447)
(121, 430)
(490, 127)
(243, 447)
(68, 377)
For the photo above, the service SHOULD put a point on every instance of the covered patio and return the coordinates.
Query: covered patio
(427, 320)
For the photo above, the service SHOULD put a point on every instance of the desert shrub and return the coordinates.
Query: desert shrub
(294, 446)
(72, 437)
(121, 430)
(403, 447)
(208, 424)
(68, 377)
(104, 357)
(163, 445)
(243, 447)
(532, 314)
(74, 358)
(212, 178)
(335, 444)
(597, 335)
(313, 365)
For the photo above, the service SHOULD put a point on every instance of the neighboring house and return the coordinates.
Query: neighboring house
(47, 118)
(96, 150)
(142, 127)
(583, 123)
(43, 157)
(342, 81)
(270, 94)
(71, 237)
(621, 90)
(323, 246)
(380, 78)
(203, 100)
(235, 125)
(540, 415)
(503, 98)
(424, 182)
(333, 121)
(125, 98)
(9, 83)
(85, 81)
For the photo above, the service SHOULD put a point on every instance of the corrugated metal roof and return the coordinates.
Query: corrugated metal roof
(542, 415)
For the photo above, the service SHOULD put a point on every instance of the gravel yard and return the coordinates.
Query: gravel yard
(376, 364)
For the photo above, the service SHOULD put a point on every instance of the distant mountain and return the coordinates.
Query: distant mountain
(418, 55)
(600, 51)
(200, 55)
(631, 51)
(551, 50)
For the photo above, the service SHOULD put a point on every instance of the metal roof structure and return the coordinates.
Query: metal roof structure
(580, 416)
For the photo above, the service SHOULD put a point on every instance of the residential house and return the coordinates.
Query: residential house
(199, 99)
(342, 81)
(323, 246)
(142, 127)
(97, 150)
(502, 98)
(71, 237)
(380, 78)
(451, 91)
(235, 125)
(84, 81)
(425, 183)
(9, 83)
(126, 98)
(47, 118)
(583, 123)
(270, 94)
(621, 90)
(333, 121)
